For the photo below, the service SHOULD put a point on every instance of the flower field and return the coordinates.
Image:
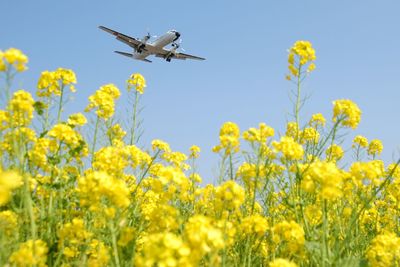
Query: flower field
(84, 191)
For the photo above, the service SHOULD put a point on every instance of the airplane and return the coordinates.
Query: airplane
(144, 48)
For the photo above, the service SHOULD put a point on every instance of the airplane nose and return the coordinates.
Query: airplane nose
(177, 34)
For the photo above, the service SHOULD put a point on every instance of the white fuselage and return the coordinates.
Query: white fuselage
(160, 42)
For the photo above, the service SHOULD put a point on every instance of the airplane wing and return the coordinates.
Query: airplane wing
(132, 42)
(164, 53)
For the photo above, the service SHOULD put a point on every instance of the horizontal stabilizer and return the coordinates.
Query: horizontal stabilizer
(146, 60)
(124, 53)
(131, 55)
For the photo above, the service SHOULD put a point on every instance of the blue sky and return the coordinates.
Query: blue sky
(245, 43)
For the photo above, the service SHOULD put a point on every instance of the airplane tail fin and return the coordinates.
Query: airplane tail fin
(131, 55)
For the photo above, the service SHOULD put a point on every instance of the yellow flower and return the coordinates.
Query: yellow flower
(317, 119)
(375, 147)
(13, 57)
(112, 160)
(254, 225)
(309, 134)
(194, 152)
(292, 130)
(98, 254)
(163, 249)
(77, 119)
(325, 176)
(97, 185)
(73, 237)
(347, 111)
(30, 253)
(360, 141)
(334, 152)
(229, 138)
(313, 214)
(373, 171)
(290, 149)
(127, 234)
(202, 236)
(116, 133)
(65, 134)
(290, 236)
(103, 99)
(21, 108)
(136, 80)
(229, 195)
(53, 82)
(4, 120)
(160, 145)
(38, 153)
(259, 135)
(304, 53)
(8, 222)
(282, 263)
(384, 250)
(9, 181)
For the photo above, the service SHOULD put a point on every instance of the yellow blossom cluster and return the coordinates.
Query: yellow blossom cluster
(375, 147)
(334, 152)
(77, 119)
(13, 57)
(300, 54)
(384, 250)
(229, 138)
(103, 101)
(259, 135)
(96, 187)
(317, 120)
(8, 222)
(9, 181)
(325, 175)
(136, 81)
(20, 108)
(282, 263)
(164, 249)
(289, 235)
(371, 171)
(30, 253)
(72, 237)
(360, 140)
(52, 83)
(290, 149)
(347, 112)
(203, 237)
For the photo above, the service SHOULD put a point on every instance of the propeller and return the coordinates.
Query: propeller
(177, 45)
(148, 36)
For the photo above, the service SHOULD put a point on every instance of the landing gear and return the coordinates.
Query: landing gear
(168, 59)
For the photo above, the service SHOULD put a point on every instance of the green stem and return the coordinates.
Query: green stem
(60, 104)
(298, 99)
(28, 203)
(9, 78)
(325, 248)
(95, 136)
(230, 167)
(134, 118)
(114, 243)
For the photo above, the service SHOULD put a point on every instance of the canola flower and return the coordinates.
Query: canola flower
(103, 101)
(9, 181)
(136, 81)
(289, 199)
(13, 57)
